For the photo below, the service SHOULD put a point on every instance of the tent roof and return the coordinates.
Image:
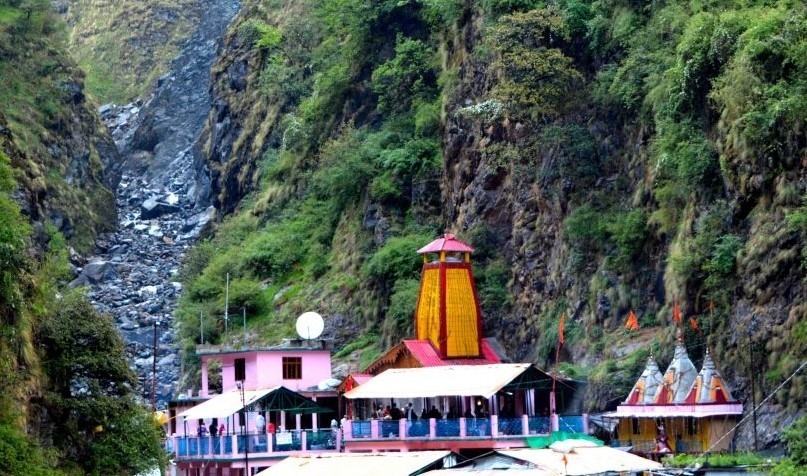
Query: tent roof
(450, 380)
(356, 464)
(224, 405)
(578, 462)
(275, 399)
(585, 460)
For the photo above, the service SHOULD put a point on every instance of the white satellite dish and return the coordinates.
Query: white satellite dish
(310, 325)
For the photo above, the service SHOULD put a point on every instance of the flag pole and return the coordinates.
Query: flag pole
(552, 399)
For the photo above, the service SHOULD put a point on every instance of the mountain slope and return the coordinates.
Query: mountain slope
(601, 157)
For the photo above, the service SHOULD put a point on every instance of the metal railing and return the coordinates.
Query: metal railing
(460, 428)
(229, 446)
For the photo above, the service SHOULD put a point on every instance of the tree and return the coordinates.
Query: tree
(97, 422)
(535, 76)
(795, 438)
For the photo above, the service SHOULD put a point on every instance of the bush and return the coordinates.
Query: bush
(402, 304)
(537, 78)
(495, 8)
(409, 76)
(396, 260)
(20, 456)
(585, 229)
(628, 232)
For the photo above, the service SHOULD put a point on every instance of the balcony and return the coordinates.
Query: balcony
(257, 445)
(367, 433)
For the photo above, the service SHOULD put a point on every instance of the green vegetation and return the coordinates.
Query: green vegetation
(123, 47)
(794, 437)
(612, 154)
(101, 428)
(715, 460)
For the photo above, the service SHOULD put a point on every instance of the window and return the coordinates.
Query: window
(240, 370)
(292, 368)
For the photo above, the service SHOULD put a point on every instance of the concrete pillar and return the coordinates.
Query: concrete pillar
(402, 428)
(585, 423)
(374, 431)
(303, 440)
(525, 425)
(432, 428)
(298, 420)
(204, 391)
(555, 422)
(494, 426)
(463, 427)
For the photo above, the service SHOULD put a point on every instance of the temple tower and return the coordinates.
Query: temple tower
(448, 313)
(645, 388)
(678, 378)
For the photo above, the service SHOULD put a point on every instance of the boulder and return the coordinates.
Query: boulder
(152, 208)
(96, 273)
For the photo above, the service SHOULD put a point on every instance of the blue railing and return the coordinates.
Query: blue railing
(477, 427)
(510, 426)
(320, 440)
(572, 424)
(539, 425)
(448, 428)
(360, 429)
(389, 428)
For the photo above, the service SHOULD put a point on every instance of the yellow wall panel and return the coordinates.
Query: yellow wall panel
(428, 310)
(461, 315)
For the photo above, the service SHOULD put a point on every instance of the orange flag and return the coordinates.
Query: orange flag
(632, 324)
(694, 324)
(560, 327)
(676, 313)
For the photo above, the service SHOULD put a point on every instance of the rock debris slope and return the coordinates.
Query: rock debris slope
(162, 201)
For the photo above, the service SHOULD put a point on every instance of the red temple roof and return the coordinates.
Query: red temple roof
(447, 242)
(426, 354)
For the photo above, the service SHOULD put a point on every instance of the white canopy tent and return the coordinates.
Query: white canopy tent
(431, 382)
(224, 405)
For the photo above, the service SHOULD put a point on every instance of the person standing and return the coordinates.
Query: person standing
(260, 423)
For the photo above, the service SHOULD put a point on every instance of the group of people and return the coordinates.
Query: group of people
(214, 429)
(392, 412)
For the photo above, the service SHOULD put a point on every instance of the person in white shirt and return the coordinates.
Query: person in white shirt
(260, 423)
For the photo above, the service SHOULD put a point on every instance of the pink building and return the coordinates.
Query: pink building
(256, 407)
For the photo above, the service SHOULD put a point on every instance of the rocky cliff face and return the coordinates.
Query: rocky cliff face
(68, 165)
(579, 207)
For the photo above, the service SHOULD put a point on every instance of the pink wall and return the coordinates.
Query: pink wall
(264, 369)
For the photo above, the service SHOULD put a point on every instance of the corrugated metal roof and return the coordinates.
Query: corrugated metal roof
(356, 464)
(447, 242)
(430, 382)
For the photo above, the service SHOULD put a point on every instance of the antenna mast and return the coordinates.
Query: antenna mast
(226, 303)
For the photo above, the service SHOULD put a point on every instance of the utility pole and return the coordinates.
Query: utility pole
(201, 328)
(154, 372)
(753, 391)
(226, 303)
(244, 429)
